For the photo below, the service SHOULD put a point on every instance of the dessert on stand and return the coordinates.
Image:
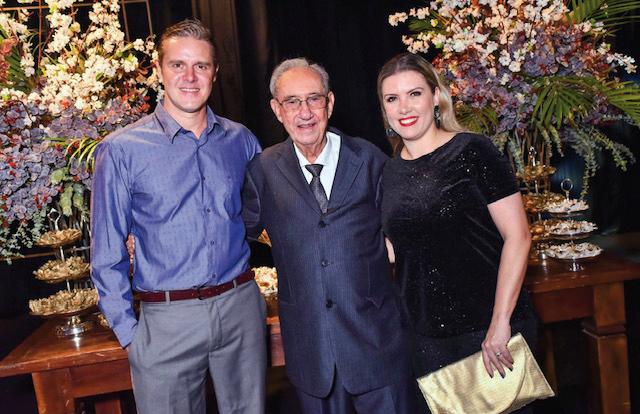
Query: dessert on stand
(570, 228)
(556, 221)
(574, 254)
(74, 304)
(267, 281)
(538, 195)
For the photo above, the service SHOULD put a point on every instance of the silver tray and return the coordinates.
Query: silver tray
(576, 264)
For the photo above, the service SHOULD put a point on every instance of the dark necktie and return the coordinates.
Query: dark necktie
(316, 186)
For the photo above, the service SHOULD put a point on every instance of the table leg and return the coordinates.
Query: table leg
(549, 364)
(109, 405)
(275, 345)
(609, 365)
(52, 392)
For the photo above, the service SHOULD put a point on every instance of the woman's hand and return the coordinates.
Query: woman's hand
(495, 353)
(510, 219)
(391, 254)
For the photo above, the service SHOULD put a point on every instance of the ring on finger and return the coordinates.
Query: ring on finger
(498, 354)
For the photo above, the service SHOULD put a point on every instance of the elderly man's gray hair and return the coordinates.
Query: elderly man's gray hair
(298, 63)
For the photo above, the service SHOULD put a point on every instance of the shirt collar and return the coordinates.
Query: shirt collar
(171, 127)
(324, 157)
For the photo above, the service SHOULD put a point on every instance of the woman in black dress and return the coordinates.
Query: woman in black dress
(455, 223)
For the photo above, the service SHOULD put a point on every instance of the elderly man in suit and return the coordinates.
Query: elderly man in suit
(318, 196)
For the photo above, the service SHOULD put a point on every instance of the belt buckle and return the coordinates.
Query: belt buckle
(199, 290)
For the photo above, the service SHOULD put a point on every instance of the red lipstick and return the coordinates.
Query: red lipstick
(408, 121)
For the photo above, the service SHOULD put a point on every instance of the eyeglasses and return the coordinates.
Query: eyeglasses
(313, 102)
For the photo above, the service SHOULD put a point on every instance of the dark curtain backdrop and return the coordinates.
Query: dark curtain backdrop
(351, 39)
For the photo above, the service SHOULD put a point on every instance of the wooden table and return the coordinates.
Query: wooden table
(596, 295)
(64, 370)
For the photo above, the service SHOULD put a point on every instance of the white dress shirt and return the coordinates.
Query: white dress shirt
(329, 160)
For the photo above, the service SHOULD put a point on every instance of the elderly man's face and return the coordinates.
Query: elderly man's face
(305, 125)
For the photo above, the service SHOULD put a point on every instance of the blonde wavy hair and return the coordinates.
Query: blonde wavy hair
(411, 62)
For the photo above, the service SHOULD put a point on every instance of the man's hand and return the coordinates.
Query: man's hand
(264, 238)
(131, 247)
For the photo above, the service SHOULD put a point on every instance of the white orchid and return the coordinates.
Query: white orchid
(396, 18)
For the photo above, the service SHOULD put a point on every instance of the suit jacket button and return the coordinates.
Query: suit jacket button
(324, 263)
(322, 224)
(329, 304)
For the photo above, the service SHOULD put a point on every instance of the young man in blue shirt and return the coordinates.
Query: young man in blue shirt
(172, 180)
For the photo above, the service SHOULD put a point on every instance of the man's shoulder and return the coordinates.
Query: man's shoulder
(276, 150)
(233, 127)
(360, 146)
(132, 131)
(269, 155)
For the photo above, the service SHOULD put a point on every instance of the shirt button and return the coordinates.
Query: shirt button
(204, 178)
(329, 304)
(322, 224)
(324, 263)
(208, 210)
(212, 242)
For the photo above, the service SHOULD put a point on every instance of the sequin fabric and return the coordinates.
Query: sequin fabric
(434, 210)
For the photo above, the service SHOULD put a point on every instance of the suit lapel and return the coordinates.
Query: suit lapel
(289, 166)
(349, 163)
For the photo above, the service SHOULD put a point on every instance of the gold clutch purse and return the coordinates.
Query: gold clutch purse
(465, 386)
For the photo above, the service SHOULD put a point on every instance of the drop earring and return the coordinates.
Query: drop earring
(390, 132)
(436, 116)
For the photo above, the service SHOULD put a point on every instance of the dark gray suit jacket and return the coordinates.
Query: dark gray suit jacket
(336, 300)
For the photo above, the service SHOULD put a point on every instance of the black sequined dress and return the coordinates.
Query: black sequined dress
(447, 248)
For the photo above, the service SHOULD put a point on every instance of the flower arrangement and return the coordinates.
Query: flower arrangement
(61, 91)
(533, 73)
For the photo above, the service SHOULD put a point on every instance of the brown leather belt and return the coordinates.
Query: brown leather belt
(201, 293)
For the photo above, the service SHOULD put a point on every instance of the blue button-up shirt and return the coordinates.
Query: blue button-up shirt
(180, 198)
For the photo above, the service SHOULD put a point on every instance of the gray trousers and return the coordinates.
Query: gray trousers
(175, 344)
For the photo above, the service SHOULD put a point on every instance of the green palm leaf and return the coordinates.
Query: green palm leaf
(480, 120)
(560, 98)
(417, 25)
(610, 12)
(17, 78)
(84, 152)
(80, 150)
(624, 96)
(566, 97)
(582, 9)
